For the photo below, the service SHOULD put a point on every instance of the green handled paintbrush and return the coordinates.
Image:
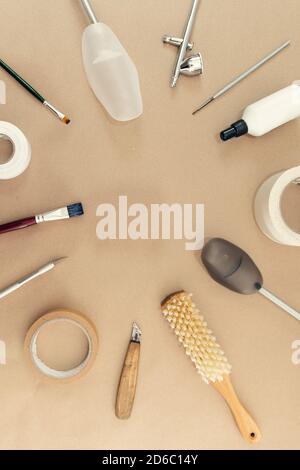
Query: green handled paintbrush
(62, 117)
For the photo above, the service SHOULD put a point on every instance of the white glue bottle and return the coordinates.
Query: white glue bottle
(267, 114)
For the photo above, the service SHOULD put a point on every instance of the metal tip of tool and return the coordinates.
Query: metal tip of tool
(203, 105)
(59, 260)
(136, 333)
(173, 82)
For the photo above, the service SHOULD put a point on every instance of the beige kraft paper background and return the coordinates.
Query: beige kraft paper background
(166, 156)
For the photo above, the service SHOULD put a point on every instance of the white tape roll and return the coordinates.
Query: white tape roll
(268, 211)
(2, 92)
(21, 157)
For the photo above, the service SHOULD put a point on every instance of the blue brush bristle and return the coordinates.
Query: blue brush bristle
(75, 210)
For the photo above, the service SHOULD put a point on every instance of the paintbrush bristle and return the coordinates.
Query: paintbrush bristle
(75, 210)
(66, 120)
(193, 333)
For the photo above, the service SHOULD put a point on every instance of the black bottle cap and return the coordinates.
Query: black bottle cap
(235, 130)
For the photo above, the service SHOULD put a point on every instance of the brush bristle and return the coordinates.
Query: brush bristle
(75, 210)
(66, 120)
(198, 341)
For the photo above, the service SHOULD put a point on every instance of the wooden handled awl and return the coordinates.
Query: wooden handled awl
(128, 380)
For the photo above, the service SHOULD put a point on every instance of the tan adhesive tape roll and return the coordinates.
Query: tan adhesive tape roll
(21, 156)
(268, 211)
(31, 349)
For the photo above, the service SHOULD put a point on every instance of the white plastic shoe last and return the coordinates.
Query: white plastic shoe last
(111, 73)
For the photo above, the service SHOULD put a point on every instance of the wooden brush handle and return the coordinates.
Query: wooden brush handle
(17, 225)
(245, 422)
(128, 382)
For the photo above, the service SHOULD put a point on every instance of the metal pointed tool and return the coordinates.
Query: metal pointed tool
(30, 277)
(241, 77)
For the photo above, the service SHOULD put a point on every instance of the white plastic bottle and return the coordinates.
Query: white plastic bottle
(111, 73)
(267, 114)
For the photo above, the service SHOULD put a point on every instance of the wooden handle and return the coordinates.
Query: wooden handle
(245, 422)
(17, 225)
(128, 382)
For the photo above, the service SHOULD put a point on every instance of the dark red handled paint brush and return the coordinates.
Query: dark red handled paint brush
(75, 210)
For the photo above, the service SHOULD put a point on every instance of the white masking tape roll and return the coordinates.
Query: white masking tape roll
(268, 211)
(21, 156)
(31, 346)
(2, 92)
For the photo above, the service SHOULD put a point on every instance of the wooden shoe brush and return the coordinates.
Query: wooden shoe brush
(206, 354)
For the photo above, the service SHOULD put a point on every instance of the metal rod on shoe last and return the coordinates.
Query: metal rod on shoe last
(270, 296)
(89, 11)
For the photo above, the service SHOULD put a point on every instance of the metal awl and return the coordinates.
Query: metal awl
(30, 277)
(242, 76)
